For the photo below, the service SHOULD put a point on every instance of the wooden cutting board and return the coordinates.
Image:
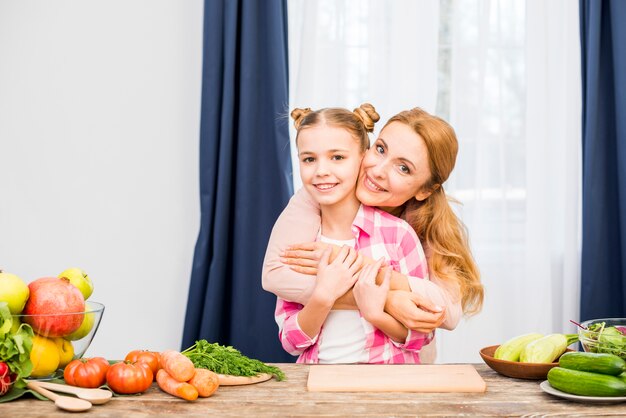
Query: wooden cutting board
(395, 378)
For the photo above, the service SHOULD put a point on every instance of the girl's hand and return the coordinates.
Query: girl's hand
(414, 312)
(336, 278)
(370, 298)
(304, 258)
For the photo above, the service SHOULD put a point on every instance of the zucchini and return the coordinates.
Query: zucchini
(593, 362)
(512, 348)
(586, 383)
(547, 349)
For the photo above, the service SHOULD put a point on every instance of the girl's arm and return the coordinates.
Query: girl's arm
(299, 222)
(370, 299)
(371, 302)
(292, 338)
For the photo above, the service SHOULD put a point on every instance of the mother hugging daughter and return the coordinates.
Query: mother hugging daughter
(357, 205)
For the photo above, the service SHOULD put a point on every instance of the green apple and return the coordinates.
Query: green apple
(85, 326)
(80, 279)
(13, 291)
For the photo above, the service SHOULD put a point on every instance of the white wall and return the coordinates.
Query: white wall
(99, 125)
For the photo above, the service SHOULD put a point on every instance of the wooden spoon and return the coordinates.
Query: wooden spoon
(68, 403)
(95, 396)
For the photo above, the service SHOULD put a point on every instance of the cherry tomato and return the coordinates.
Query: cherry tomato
(127, 377)
(86, 372)
(151, 358)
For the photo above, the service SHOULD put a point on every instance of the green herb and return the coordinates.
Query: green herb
(228, 360)
(15, 346)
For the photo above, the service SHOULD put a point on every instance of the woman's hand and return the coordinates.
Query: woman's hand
(414, 312)
(337, 277)
(304, 258)
(370, 298)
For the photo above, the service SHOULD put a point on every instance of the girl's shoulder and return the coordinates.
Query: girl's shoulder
(385, 218)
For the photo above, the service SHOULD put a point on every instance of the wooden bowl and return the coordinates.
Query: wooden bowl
(514, 368)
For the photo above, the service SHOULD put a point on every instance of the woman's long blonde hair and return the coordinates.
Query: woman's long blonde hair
(433, 219)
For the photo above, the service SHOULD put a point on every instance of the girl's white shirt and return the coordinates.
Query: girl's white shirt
(342, 338)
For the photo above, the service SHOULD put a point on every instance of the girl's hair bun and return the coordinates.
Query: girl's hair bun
(298, 115)
(368, 116)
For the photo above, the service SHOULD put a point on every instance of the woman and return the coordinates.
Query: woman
(402, 173)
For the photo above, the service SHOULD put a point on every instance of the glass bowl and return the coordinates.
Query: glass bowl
(596, 338)
(60, 336)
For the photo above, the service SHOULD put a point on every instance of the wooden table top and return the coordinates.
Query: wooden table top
(504, 397)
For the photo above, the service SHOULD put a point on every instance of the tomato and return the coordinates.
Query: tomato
(151, 358)
(86, 372)
(5, 378)
(128, 377)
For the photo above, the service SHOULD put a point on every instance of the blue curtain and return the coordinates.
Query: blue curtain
(603, 55)
(244, 174)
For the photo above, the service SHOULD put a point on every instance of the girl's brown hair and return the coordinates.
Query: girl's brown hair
(358, 122)
(433, 219)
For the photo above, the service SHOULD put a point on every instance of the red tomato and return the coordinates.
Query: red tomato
(151, 358)
(127, 377)
(86, 372)
(5, 378)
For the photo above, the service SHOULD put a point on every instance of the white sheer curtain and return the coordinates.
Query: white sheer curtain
(514, 101)
(346, 52)
(506, 74)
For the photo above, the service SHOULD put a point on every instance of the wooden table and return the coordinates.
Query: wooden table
(504, 397)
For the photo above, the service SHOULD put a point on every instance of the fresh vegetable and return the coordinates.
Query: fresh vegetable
(174, 387)
(512, 348)
(228, 360)
(151, 358)
(126, 377)
(177, 366)
(593, 362)
(205, 381)
(15, 346)
(598, 338)
(586, 383)
(547, 349)
(5, 378)
(86, 372)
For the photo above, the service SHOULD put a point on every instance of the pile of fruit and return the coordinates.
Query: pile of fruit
(589, 374)
(41, 321)
(535, 348)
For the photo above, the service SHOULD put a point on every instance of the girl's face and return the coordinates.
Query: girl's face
(329, 163)
(395, 169)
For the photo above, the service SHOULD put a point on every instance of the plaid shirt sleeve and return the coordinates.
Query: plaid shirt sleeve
(292, 338)
(412, 262)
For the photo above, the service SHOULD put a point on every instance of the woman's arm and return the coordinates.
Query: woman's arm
(420, 305)
(299, 222)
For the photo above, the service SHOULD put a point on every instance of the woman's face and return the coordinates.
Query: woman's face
(394, 169)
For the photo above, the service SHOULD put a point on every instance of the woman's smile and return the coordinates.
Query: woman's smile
(372, 185)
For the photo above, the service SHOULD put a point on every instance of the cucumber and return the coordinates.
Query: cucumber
(586, 383)
(593, 362)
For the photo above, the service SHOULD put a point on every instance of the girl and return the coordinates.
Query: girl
(331, 144)
(403, 173)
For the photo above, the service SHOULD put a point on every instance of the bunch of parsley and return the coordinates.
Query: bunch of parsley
(228, 360)
(15, 346)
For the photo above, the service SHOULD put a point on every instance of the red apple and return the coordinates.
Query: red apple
(60, 304)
